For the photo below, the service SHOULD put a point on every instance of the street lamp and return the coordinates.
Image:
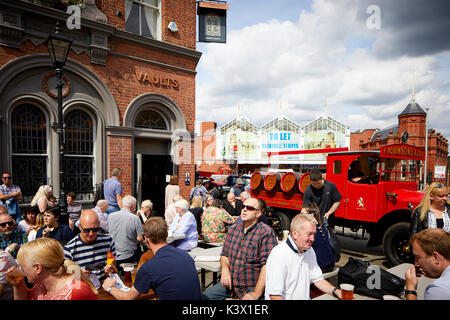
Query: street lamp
(426, 147)
(58, 48)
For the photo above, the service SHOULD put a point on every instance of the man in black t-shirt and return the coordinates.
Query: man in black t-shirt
(325, 194)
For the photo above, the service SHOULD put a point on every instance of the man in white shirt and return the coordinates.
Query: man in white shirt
(292, 265)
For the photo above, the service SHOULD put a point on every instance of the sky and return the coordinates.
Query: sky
(357, 59)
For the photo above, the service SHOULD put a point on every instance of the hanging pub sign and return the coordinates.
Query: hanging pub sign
(212, 21)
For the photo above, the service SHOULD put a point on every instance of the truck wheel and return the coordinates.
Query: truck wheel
(395, 244)
(280, 222)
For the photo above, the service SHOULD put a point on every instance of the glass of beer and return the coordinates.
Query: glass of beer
(347, 291)
(127, 274)
(109, 258)
(133, 275)
(15, 276)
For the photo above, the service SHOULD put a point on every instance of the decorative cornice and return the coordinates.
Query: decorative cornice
(158, 45)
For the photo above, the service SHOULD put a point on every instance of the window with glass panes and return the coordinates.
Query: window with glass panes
(79, 153)
(142, 17)
(29, 148)
(151, 120)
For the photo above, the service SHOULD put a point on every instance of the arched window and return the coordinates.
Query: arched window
(78, 152)
(151, 120)
(29, 148)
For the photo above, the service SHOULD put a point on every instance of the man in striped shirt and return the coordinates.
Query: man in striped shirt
(89, 248)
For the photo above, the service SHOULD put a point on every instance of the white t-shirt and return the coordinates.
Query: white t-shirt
(290, 274)
(23, 225)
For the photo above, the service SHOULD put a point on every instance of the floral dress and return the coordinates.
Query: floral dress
(213, 224)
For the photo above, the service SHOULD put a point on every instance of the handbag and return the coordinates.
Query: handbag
(370, 280)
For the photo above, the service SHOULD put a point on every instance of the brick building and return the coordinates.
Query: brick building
(129, 95)
(411, 128)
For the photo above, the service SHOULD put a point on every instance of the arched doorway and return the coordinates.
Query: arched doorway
(154, 119)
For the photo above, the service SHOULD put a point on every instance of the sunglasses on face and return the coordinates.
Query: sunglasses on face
(249, 208)
(9, 223)
(87, 230)
(6, 178)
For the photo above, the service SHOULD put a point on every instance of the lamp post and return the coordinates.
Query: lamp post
(426, 148)
(58, 48)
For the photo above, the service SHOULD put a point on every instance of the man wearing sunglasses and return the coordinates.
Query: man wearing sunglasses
(9, 196)
(11, 237)
(243, 259)
(89, 248)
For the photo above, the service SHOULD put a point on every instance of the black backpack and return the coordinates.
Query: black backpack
(370, 280)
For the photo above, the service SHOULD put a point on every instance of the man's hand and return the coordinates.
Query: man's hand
(411, 278)
(110, 269)
(251, 296)
(108, 283)
(46, 232)
(13, 247)
(225, 279)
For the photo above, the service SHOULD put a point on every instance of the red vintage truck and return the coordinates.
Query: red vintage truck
(380, 203)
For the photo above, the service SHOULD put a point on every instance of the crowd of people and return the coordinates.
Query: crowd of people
(41, 253)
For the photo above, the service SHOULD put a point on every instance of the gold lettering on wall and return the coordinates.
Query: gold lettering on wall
(157, 80)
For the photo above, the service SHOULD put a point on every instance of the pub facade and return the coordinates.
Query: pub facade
(128, 95)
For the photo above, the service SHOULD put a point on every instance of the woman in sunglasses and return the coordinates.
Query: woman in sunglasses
(433, 211)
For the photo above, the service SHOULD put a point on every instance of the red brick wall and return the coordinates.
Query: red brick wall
(120, 155)
(356, 137)
(182, 12)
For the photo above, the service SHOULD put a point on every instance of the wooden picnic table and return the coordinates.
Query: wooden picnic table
(204, 265)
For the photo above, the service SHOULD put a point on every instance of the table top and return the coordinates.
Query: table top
(213, 266)
(174, 237)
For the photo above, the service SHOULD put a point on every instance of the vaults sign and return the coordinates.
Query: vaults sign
(157, 80)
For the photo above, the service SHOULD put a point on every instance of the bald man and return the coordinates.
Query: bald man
(89, 248)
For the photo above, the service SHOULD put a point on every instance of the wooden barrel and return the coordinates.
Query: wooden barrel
(272, 181)
(289, 181)
(304, 182)
(257, 180)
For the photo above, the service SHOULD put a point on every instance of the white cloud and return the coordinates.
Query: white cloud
(324, 56)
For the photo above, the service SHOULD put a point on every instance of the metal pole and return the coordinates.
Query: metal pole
(62, 194)
(426, 147)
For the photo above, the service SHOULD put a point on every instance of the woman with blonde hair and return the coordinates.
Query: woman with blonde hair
(433, 211)
(41, 198)
(197, 210)
(39, 224)
(42, 262)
